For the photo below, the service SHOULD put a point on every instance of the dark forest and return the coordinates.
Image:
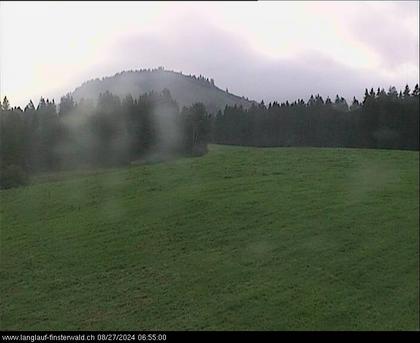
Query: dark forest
(111, 131)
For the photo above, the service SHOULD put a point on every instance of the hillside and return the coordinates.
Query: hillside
(240, 239)
(185, 89)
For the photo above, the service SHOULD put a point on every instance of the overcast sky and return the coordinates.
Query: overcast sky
(261, 50)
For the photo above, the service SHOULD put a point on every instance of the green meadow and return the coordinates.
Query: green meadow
(238, 239)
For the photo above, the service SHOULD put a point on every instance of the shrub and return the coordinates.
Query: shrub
(12, 176)
(199, 149)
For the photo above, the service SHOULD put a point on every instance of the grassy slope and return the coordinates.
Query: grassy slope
(242, 238)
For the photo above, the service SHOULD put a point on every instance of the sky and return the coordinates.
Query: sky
(265, 50)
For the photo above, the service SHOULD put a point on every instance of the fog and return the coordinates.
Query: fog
(251, 74)
(169, 132)
(261, 50)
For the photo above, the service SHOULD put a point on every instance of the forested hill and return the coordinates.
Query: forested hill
(185, 89)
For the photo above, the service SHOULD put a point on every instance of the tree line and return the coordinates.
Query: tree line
(113, 131)
(108, 132)
(387, 120)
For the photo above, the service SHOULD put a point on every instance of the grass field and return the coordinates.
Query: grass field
(239, 239)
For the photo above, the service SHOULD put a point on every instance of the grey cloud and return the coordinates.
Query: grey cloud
(385, 34)
(226, 57)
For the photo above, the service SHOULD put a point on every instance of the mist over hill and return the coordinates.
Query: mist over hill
(185, 89)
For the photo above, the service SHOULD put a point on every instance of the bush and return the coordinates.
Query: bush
(199, 150)
(12, 176)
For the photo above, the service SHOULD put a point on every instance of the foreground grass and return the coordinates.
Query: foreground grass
(240, 239)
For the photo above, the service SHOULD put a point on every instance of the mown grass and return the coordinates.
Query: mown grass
(239, 239)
